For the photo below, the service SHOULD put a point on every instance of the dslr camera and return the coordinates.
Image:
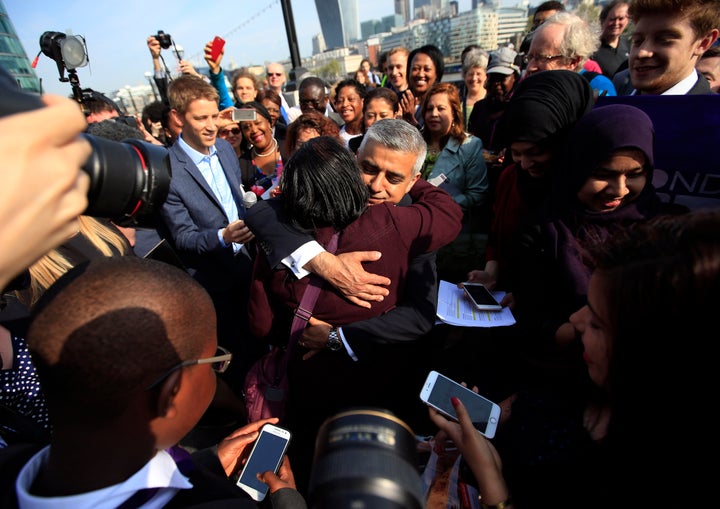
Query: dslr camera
(164, 39)
(129, 180)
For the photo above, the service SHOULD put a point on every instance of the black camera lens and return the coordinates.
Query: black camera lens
(164, 39)
(365, 458)
(129, 180)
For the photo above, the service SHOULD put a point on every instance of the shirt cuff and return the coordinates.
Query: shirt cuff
(220, 238)
(347, 345)
(298, 258)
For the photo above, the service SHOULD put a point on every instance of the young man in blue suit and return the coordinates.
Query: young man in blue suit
(204, 214)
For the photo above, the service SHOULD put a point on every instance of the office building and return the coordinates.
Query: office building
(402, 9)
(338, 21)
(13, 57)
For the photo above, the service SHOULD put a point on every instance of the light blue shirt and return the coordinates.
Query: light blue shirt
(212, 171)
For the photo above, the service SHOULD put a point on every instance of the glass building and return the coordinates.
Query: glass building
(339, 22)
(13, 57)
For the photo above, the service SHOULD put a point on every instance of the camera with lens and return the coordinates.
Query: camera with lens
(164, 39)
(365, 457)
(129, 180)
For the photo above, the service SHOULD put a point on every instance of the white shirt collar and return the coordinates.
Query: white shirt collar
(160, 472)
(682, 87)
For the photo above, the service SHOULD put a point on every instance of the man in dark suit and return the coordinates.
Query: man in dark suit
(204, 214)
(667, 42)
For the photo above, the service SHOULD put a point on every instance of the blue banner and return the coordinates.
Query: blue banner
(687, 145)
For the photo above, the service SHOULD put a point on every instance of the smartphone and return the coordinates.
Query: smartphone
(267, 454)
(217, 46)
(437, 391)
(481, 297)
(244, 114)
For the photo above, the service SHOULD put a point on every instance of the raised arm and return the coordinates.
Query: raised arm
(217, 77)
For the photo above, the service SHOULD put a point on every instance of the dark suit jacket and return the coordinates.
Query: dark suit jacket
(193, 216)
(624, 86)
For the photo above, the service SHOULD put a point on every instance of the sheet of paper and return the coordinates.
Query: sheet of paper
(455, 309)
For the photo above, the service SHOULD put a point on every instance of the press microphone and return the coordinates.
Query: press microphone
(249, 199)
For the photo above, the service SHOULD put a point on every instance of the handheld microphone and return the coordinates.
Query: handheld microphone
(249, 199)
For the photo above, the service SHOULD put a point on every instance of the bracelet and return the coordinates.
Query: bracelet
(499, 505)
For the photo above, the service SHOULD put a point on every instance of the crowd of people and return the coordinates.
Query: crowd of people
(372, 189)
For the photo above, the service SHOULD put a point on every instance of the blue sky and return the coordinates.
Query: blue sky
(116, 33)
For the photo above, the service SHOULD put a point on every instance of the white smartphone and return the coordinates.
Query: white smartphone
(481, 297)
(244, 114)
(437, 391)
(267, 454)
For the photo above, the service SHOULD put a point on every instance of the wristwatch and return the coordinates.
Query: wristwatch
(334, 342)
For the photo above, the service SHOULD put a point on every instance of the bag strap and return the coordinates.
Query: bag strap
(304, 310)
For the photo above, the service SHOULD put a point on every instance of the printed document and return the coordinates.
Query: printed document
(454, 308)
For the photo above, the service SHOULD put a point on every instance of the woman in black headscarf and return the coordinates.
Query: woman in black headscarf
(543, 109)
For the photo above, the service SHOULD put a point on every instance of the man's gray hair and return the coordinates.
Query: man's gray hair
(399, 136)
(581, 38)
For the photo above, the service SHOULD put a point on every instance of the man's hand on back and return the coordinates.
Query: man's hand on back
(346, 273)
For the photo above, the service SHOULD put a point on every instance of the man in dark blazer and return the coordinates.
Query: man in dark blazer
(663, 65)
(204, 212)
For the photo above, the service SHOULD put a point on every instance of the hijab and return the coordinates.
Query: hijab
(544, 107)
(596, 136)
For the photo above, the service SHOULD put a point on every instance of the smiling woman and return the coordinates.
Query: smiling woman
(349, 99)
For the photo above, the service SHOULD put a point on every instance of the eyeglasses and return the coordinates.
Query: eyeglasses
(227, 132)
(545, 59)
(219, 363)
(276, 74)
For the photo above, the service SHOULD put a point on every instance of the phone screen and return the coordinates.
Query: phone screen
(481, 295)
(481, 410)
(266, 455)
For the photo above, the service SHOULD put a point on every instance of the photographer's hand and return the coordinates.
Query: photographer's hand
(42, 189)
(155, 49)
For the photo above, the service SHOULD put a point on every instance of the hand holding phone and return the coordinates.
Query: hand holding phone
(437, 391)
(267, 454)
(217, 46)
(481, 297)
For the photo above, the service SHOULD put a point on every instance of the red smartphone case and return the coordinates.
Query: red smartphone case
(217, 47)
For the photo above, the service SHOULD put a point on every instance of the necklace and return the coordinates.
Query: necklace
(270, 151)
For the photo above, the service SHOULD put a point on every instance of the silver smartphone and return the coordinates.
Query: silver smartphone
(481, 297)
(437, 391)
(267, 454)
(244, 114)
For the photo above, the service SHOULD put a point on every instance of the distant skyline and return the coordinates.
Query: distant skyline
(116, 33)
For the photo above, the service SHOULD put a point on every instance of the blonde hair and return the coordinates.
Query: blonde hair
(54, 264)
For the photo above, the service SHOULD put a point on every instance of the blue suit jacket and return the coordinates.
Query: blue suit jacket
(193, 216)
